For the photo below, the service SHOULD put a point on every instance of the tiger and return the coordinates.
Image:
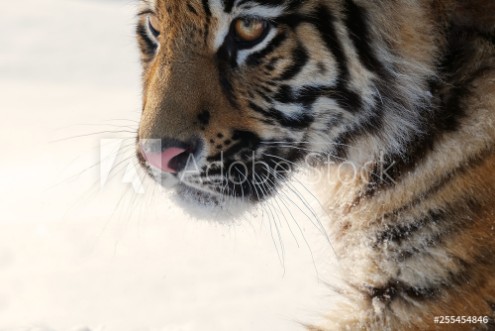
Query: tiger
(396, 96)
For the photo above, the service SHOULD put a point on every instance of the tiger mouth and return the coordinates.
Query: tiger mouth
(199, 195)
(220, 190)
(248, 188)
(250, 181)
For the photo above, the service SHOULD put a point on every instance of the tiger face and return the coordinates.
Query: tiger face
(239, 94)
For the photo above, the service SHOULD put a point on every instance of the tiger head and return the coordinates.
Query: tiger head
(239, 93)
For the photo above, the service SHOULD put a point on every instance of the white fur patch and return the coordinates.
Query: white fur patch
(244, 54)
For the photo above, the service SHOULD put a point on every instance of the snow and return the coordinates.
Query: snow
(78, 256)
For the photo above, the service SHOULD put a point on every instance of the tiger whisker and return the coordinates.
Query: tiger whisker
(263, 186)
(91, 135)
(281, 254)
(318, 225)
(282, 196)
(295, 178)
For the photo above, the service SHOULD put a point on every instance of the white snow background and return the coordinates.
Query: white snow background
(76, 256)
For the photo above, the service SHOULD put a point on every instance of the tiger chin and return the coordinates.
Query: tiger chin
(239, 94)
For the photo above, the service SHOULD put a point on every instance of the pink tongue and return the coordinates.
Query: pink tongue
(162, 160)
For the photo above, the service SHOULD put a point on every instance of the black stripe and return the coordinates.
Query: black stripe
(294, 5)
(465, 273)
(268, 3)
(206, 8)
(446, 118)
(300, 121)
(434, 123)
(150, 47)
(191, 9)
(228, 4)
(396, 289)
(285, 95)
(299, 58)
(293, 20)
(400, 238)
(255, 58)
(325, 22)
(264, 96)
(356, 22)
(399, 232)
(444, 115)
(307, 95)
(371, 123)
(445, 180)
(228, 89)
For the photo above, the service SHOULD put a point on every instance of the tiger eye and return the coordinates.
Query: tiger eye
(249, 29)
(154, 25)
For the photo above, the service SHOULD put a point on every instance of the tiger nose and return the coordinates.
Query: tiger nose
(168, 155)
